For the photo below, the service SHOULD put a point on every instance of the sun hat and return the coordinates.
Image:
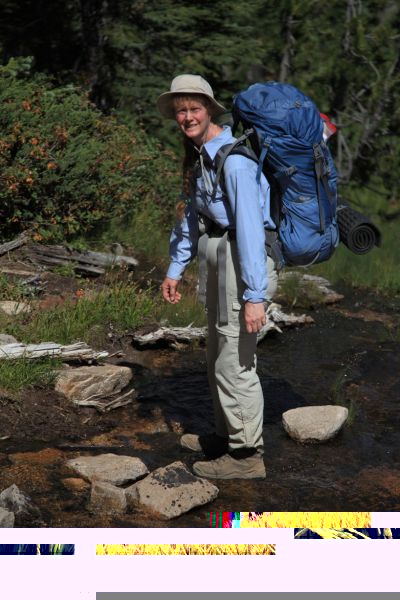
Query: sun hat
(187, 84)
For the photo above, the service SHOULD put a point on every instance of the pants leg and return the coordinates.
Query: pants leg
(236, 389)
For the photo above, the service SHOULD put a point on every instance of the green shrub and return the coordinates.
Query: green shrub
(64, 166)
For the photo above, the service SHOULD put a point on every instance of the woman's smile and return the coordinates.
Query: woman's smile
(194, 119)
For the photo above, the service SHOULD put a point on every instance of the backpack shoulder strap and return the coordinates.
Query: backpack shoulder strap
(237, 147)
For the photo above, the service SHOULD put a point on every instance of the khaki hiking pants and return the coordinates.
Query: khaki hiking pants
(231, 354)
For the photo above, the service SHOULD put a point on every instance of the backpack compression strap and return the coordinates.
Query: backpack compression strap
(321, 176)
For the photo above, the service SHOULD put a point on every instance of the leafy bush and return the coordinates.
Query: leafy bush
(64, 166)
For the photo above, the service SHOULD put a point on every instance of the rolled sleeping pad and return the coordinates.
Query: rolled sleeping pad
(357, 231)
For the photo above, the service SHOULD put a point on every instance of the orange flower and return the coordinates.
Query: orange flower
(34, 141)
(51, 165)
(29, 180)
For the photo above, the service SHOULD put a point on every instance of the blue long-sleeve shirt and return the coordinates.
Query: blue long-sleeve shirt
(245, 208)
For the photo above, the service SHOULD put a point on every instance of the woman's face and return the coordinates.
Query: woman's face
(193, 119)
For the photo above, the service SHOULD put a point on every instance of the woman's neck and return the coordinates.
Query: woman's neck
(212, 132)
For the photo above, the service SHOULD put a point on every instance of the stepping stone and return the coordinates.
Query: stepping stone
(171, 491)
(314, 423)
(109, 467)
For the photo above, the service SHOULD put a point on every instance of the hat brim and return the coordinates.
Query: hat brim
(166, 107)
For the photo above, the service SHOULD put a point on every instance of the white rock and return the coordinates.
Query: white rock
(16, 501)
(314, 423)
(14, 308)
(109, 467)
(105, 497)
(84, 383)
(7, 518)
(7, 339)
(171, 491)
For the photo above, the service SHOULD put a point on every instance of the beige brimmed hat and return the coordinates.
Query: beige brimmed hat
(187, 84)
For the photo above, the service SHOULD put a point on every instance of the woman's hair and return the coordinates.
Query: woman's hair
(190, 152)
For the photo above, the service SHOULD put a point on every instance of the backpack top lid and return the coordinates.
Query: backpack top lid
(277, 109)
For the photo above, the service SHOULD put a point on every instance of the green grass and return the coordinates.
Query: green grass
(22, 373)
(377, 270)
(119, 308)
(295, 292)
(10, 291)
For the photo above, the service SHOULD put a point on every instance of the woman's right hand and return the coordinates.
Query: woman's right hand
(169, 290)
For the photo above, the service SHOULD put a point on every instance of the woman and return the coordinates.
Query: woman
(238, 280)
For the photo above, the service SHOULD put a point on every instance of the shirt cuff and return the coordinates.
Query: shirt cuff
(175, 271)
(254, 297)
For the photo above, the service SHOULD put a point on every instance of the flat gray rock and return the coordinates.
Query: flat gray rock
(314, 423)
(7, 518)
(171, 491)
(106, 497)
(109, 467)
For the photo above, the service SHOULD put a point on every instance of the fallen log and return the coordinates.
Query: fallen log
(85, 263)
(13, 244)
(79, 351)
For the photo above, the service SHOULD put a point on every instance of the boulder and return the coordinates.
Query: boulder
(109, 467)
(7, 518)
(171, 491)
(108, 498)
(83, 383)
(314, 423)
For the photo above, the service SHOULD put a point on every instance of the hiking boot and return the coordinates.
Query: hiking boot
(227, 467)
(212, 444)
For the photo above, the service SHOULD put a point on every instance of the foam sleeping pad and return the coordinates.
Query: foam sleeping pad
(357, 231)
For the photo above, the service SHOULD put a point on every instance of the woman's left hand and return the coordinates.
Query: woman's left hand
(254, 316)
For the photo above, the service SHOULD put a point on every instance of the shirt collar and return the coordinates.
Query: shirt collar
(212, 146)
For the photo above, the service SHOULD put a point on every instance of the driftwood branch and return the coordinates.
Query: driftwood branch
(78, 351)
(175, 336)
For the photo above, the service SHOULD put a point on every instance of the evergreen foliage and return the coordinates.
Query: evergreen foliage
(344, 54)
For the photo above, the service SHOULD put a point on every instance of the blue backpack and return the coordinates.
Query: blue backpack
(284, 128)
